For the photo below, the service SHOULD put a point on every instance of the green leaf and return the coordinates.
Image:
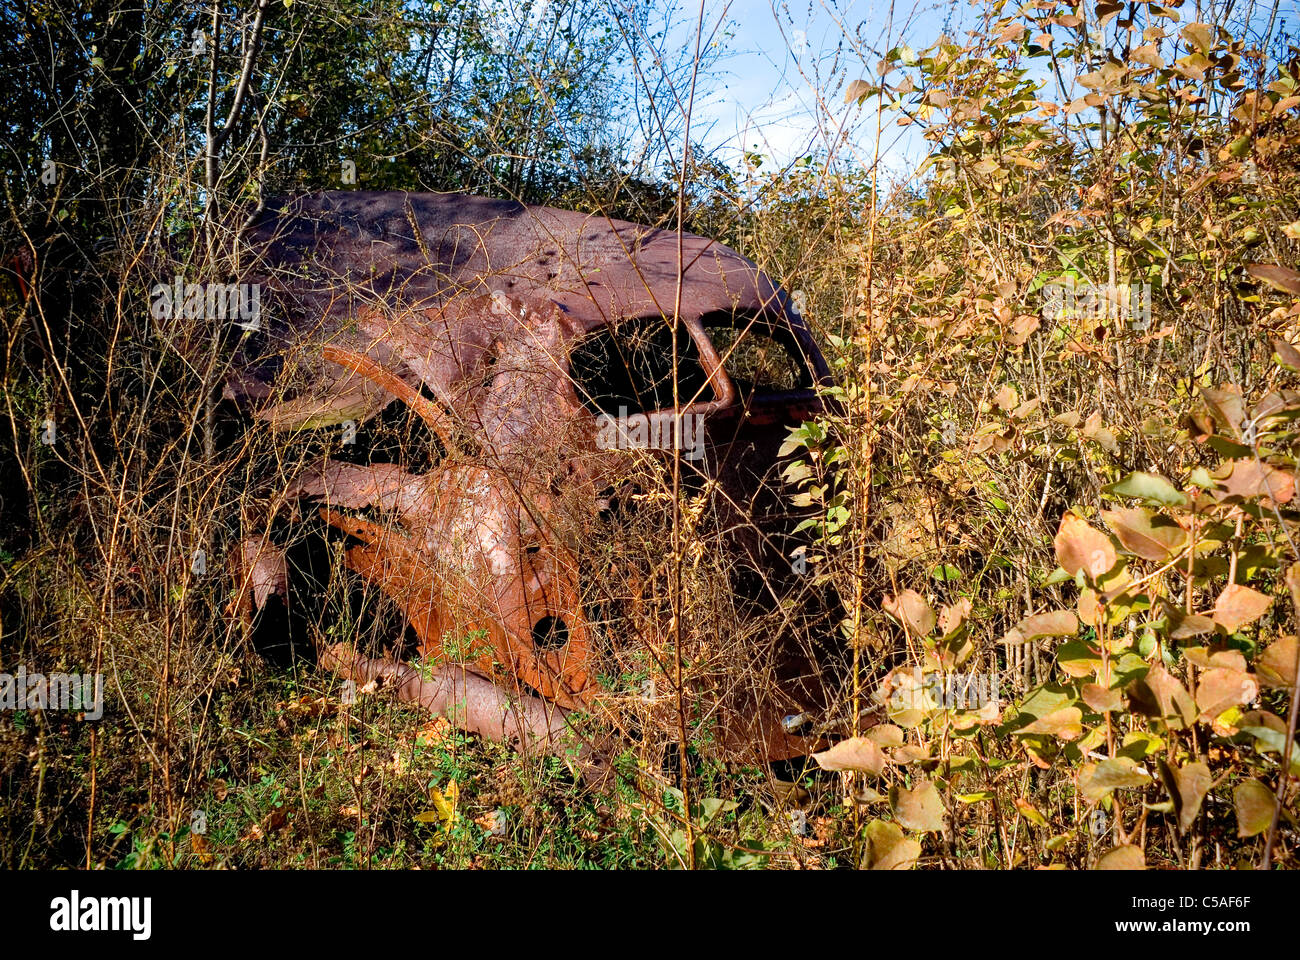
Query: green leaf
(1078, 658)
(790, 446)
(710, 807)
(1149, 488)
(1040, 702)
(1276, 742)
(1139, 744)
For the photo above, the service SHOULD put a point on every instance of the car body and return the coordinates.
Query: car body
(537, 346)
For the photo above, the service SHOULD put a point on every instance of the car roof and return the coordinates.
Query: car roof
(432, 249)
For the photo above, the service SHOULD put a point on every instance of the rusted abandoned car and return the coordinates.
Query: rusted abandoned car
(536, 349)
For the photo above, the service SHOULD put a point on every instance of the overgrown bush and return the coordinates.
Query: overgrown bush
(1053, 489)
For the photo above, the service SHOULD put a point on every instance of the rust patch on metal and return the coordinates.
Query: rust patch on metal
(470, 312)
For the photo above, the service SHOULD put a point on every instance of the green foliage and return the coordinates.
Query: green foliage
(1065, 320)
(694, 845)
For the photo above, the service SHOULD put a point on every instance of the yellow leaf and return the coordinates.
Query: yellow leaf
(1030, 812)
(444, 806)
(1126, 857)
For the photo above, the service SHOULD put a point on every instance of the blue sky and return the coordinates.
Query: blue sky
(779, 89)
(765, 98)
